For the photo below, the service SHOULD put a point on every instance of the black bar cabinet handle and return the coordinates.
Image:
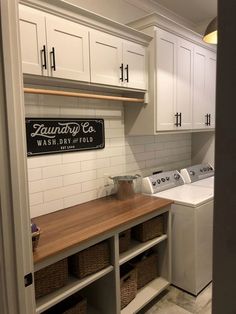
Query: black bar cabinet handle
(206, 116)
(127, 73)
(52, 53)
(180, 119)
(44, 60)
(209, 119)
(176, 119)
(122, 72)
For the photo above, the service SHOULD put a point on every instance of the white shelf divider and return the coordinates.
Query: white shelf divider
(73, 285)
(145, 295)
(137, 248)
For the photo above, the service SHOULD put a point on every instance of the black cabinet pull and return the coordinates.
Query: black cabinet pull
(127, 73)
(209, 119)
(52, 53)
(180, 119)
(176, 119)
(122, 72)
(43, 56)
(206, 116)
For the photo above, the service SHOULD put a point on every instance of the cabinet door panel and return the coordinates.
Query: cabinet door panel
(211, 87)
(32, 33)
(106, 58)
(71, 44)
(165, 80)
(134, 56)
(184, 82)
(199, 93)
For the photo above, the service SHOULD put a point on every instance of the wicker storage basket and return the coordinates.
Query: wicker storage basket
(75, 304)
(149, 229)
(51, 278)
(147, 269)
(128, 284)
(124, 240)
(90, 260)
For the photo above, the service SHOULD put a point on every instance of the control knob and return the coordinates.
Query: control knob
(163, 179)
(158, 181)
(176, 176)
(192, 173)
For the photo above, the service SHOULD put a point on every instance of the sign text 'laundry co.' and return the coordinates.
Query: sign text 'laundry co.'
(54, 135)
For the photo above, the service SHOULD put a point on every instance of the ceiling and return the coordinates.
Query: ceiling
(196, 11)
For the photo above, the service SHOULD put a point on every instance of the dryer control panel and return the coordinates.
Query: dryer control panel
(161, 182)
(197, 172)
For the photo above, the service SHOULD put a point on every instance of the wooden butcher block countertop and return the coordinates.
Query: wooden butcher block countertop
(77, 225)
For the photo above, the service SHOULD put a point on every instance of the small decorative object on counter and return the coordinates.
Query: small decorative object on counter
(128, 284)
(147, 268)
(126, 186)
(51, 278)
(149, 229)
(124, 240)
(90, 260)
(75, 304)
(35, 232)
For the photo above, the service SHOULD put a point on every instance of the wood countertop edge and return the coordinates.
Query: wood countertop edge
(105, 230)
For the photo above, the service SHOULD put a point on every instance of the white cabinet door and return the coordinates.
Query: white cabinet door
(199, 91)
(68, 49)
(184, 83)
(204, 88)
(106, 59)
(211, 88)
(33, 41)
(166, 45)
(135, 70)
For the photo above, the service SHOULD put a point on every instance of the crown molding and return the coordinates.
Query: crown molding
(149, 6)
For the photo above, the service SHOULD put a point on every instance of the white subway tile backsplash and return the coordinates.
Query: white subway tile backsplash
(34, 174)
(62, 192)
(41, 161)
(36, 198)
(45, 184)
(79, 177)
(63, 180)
(80, 198)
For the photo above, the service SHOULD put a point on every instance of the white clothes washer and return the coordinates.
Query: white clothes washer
(192, 228)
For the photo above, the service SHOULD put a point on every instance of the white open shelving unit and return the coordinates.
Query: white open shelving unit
(96, 286)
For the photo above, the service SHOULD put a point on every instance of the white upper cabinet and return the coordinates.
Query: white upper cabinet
(62, 48)
(165, 80)
(135, 66)
(106, 58)
(174, 77)
(204, 88)
(117, 62)
(33, 41)
(182, 78)
(53, 46)
(68, 49)
(184, 83)
(211, 88)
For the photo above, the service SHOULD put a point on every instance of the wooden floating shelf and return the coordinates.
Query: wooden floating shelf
(28, 90)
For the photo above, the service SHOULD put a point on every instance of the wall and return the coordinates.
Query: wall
(62, 180)
(125, 11)
(203, 148)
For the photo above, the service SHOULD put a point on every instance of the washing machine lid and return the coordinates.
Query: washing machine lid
(188, 195)
(209, 183)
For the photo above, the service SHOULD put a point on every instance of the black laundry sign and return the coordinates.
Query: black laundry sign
(54, 135)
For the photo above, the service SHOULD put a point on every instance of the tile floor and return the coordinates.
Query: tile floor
(175, 301)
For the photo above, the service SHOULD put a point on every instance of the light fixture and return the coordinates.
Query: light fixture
(210, 35)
